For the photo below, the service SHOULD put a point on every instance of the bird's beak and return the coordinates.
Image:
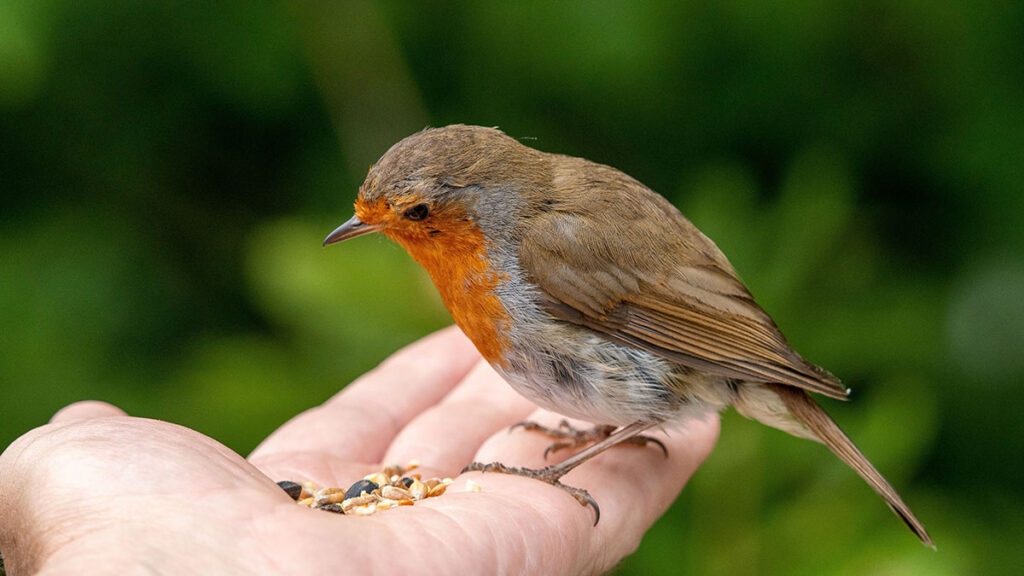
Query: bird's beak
(354, 227)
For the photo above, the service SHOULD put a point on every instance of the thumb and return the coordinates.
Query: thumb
(85, 410)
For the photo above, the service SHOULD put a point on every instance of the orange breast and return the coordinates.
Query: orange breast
(456, 259)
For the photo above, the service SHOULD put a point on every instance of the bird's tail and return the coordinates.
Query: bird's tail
(805, 409)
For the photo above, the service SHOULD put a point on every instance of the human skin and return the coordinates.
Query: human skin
(97, 491)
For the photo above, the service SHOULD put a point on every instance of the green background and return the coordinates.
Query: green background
(168, 170)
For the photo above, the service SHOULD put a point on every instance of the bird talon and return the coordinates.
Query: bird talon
(547, 474)
(645, 440)
(562, 430)
(489, 467)
(583, 497)
(525, 424)
(556, 446)
(568, 436)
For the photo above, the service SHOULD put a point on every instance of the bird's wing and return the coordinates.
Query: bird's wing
(648, 278)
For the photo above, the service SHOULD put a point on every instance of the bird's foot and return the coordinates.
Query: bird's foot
(549, 474)
(568, 436)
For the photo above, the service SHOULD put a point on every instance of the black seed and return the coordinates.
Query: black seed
(407, 481)
(293, 489)
(359, 487)
(333, 508)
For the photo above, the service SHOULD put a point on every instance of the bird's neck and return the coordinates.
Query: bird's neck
(458, 263)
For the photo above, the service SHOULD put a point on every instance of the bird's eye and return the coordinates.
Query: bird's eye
(417, 213)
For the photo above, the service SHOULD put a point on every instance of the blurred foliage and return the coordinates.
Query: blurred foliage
(168, 170)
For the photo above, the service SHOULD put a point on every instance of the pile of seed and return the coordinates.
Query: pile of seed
(393, 486)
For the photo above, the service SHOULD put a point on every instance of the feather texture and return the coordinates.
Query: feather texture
(611, 276)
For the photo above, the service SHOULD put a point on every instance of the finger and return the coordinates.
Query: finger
(84, 410)
(359, 422)
(636, 485)
(521, 517)
(445, 437)
(526, 448)
(69, 480)
(633, 485)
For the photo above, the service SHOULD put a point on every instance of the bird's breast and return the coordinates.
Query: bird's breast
(462, 271)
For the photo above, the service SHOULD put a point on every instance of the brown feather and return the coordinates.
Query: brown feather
(807, 410)
(611, 275)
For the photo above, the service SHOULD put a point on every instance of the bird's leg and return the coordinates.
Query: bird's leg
(568, 436)
(553, 474)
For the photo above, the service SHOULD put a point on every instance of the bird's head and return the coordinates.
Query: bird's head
(438, 188)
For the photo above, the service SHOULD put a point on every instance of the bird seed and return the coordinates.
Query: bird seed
(391, 487)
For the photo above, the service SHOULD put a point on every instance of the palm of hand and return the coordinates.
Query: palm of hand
(98, 489)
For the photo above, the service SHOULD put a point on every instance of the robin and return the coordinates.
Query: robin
(593, 296)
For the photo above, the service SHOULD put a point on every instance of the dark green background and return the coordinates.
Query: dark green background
(168, 170)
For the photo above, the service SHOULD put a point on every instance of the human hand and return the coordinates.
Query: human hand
(98, 491)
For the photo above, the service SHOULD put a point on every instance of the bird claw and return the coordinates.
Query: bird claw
(642, 440)
(563, 430)
(556, 446)
(549, 474)
(571, 437)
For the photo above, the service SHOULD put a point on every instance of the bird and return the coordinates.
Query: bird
(592, 296)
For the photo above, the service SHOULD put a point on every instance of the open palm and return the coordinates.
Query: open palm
(98, 491)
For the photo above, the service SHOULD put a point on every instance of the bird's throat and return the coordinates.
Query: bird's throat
(458, 263)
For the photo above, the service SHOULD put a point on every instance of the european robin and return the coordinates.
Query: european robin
(593, 296)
